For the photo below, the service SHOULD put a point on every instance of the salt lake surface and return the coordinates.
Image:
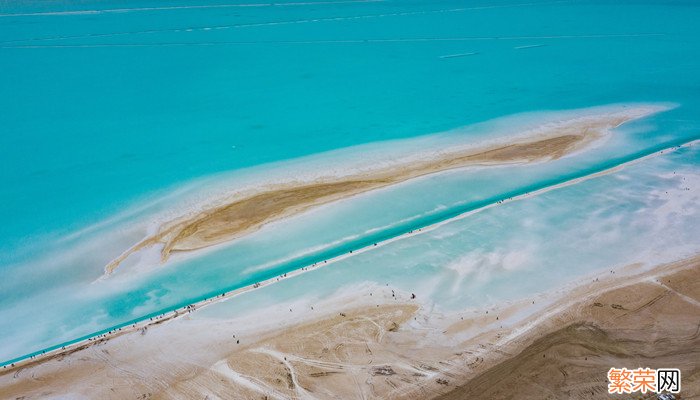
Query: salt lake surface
(116, 115)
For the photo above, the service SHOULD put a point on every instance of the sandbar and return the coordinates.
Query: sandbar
(239, 215)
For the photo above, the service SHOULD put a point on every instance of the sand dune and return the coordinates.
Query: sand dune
(651, 323)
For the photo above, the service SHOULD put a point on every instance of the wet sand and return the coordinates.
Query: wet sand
(243, 214)
(391, 346)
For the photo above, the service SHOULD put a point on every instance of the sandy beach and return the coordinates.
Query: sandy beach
(383, 344)
(245, 213)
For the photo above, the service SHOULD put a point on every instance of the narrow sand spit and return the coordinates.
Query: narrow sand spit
(395, 348)
(242, 214)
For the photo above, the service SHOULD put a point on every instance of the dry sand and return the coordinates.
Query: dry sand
(243, 214)
(648, 323)
(399, 349)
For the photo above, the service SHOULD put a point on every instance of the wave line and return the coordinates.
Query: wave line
(270, 23)
(171, 8)
(339, 41)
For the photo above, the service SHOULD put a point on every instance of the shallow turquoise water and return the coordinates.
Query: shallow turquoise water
(105, 111)
(641, 214)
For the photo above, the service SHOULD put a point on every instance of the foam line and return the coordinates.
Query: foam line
(239, 26)
(345, 41)
(172, 8)
(531, 46)
(269, 23)
(458, 55)
(248, 5)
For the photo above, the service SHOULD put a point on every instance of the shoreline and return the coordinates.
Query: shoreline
(242, 214)
(181, 310)
(461, 350)
(579, 315)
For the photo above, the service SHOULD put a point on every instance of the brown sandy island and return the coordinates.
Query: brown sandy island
(396, 350)
(241, 215)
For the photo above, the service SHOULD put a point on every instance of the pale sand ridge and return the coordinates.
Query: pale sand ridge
(242, 215)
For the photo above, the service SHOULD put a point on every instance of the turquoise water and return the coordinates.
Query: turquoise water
(642, 214)
(110, 109)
